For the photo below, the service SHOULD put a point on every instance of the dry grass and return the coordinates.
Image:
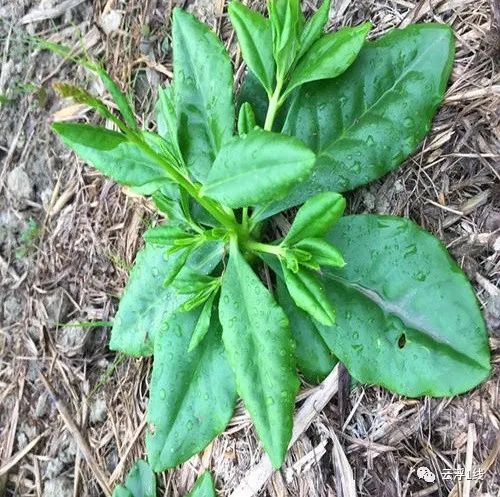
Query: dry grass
(366, 442)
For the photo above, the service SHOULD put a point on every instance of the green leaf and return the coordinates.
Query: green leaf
(364, 123)
(141, 481)
(203, 324)
(329, 57)
(256, 168)
(189, 282)
(176, 266)
(314, 28)
(113, 155)
(166, 117)
(246, 119)
(314, 358)
(203, 92)
(171, 208)
(120, 99)
(204, 486)
(252, 91)
(286, 24)
(316, 217)
(308, 294)
(324, 253)
(408, 317)
(257, 338)
(165, 234)
(192, 394)
(146, 302)
(121, 491)
(256, 42)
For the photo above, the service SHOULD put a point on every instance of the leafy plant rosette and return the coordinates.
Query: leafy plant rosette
(318, 114)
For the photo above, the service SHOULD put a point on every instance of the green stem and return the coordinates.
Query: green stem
(264, 247)
(274, 106)
(213, 208)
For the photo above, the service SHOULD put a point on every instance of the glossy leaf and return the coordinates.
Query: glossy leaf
(260, 348)
(408, 317)
(203, 92)
(166, 118)
(252, 91)
(204, 486)
(146, 303)
(203, 324)
(329, 57)
(324, 253)
(257, 167)
(256, 42)
(364, 123)
(192, 394)
(316, 217)
(141, 481)
(309, 295)
(314, 27)
(246, 119)
(314, 358)
(286, 24)
(113, 155)
(176, 266)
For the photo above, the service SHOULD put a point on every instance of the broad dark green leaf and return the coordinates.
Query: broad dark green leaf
(256, 168)
(256, 42)
(314, 358)
(192, 394)
(316, 217)
(408, 318)
(329, 57)
(324, 253)
(141, 481)
(204, 486)
(364, 123)
(113, 155)
(146, 303)
(314, 28)
(308, 294)
(260, 347)
(246, 119)
(203, 92)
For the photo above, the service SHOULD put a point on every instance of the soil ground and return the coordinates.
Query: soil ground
(68, 237)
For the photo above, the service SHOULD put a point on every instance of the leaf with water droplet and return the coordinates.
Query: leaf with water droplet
(189, 379)
(362, 112)
(256, 329)
(408, 287)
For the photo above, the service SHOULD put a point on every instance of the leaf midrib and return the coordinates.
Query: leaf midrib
(254, 346)
(357, 120)
(398, 311)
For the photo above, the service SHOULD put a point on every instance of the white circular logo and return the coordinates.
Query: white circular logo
(424, 473)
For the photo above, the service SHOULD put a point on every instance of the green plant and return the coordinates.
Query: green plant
(375, 292)
(141, 482)
(27, 239)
